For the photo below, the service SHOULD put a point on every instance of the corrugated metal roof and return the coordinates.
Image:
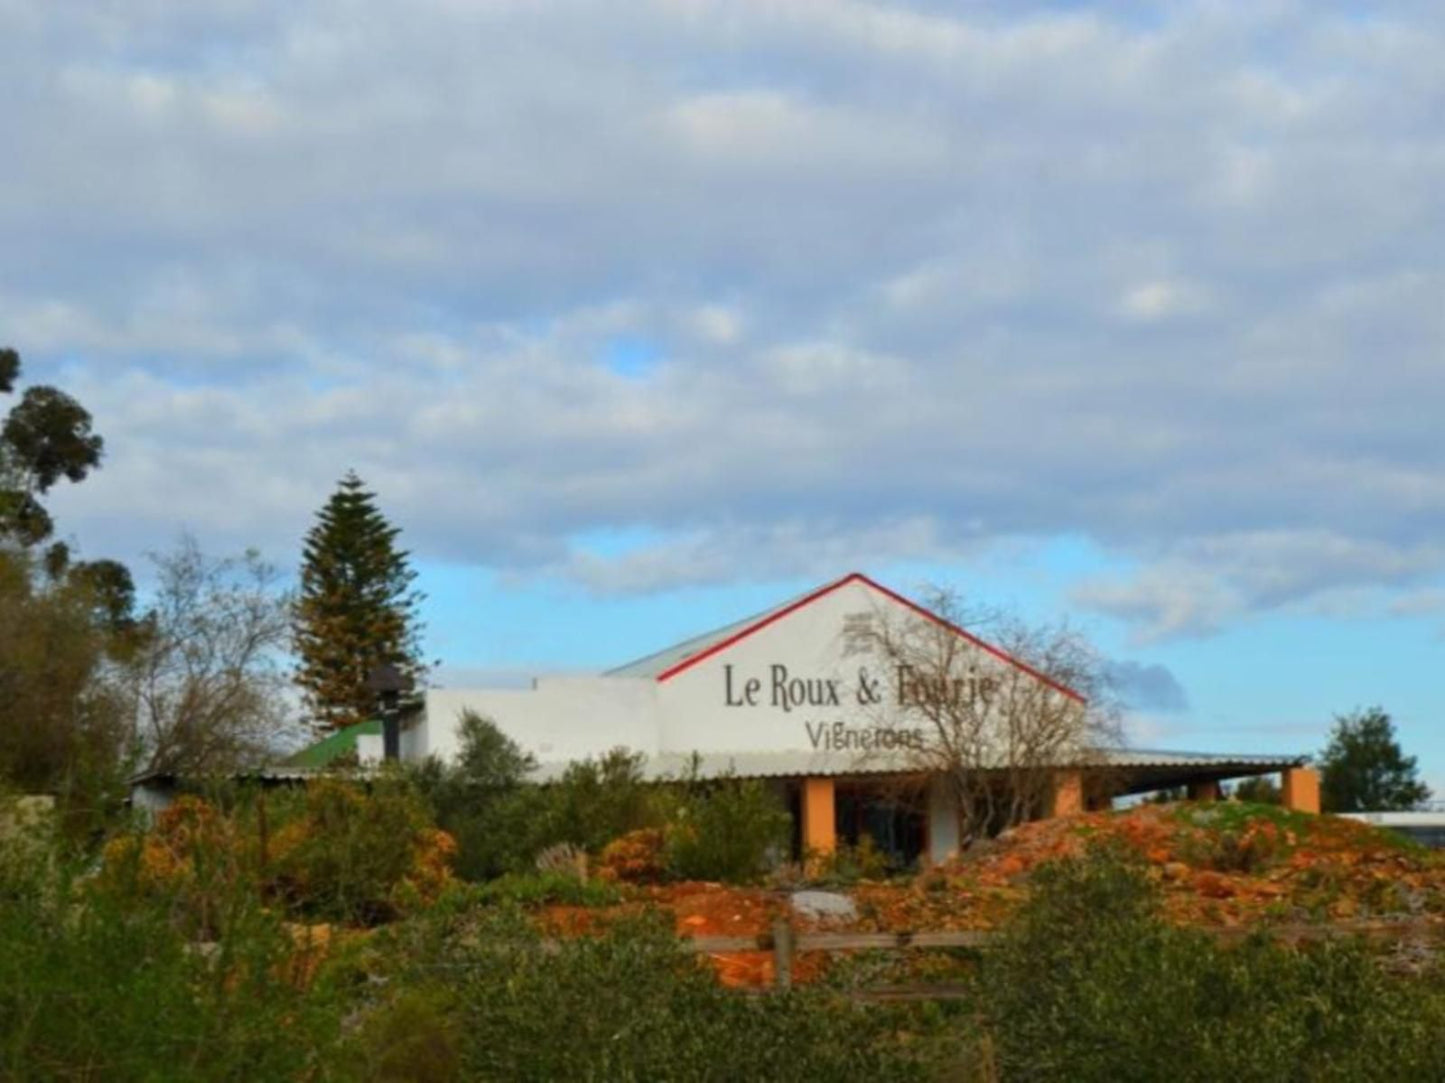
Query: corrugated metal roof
(654, 665)
(1144, 757)
(273, 773)
(755, 765)
(821, 763)
(282, 773)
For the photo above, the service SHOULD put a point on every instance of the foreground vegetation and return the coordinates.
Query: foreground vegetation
(1092, 983)
(193, 952)
(324, 936)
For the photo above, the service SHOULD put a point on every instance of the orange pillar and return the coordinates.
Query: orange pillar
(1204, 791)
(1068, 793)
(1301, 789)
(820, 832)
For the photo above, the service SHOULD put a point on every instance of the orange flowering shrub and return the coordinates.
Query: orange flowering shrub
(351, 855)
(638, 857)
(192, 853)
(188, 834)
(360, 856)
(431, 871)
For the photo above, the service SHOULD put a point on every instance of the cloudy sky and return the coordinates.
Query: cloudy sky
(641, 316)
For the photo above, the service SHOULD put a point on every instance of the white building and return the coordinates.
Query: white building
(799, 695)
(1426, 828)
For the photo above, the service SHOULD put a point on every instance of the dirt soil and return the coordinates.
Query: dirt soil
(1218, 864)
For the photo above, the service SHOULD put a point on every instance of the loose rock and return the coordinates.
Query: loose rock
(824, 905)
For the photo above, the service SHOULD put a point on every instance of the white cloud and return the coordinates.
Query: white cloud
(1421, 603)
(922, 277)
(1165, 601)
(814, 550)
(1160, 300)
(717, 324)
(1203, 583)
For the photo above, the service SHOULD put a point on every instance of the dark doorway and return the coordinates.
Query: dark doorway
(888, 812)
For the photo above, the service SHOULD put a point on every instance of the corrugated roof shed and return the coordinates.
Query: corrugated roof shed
(336, 746)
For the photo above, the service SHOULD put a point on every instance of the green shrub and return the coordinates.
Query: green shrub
(545, 889)
(628, 1005)
(1091, 984)
(501, 822)
(848, 864)
(359, 855)
(730, 830)
(482, 800)
(722, 830)
(487, 758)
(596, 801)
(496, 832)
(100, 982)
(412, 1036)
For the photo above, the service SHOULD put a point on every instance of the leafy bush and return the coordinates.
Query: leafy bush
(360, 855)
(191, 861)
(28, 838)
(100, 982)
(1091, 984)
(488, 759)
(628, 1005)
(638, 857)
(501, 822)
(596, 801)
(496, 832)
(848, 864)
(1259, 790)
(413, 1036)
(642, 831)
(730, 830)
(343, 853)
(545, 889)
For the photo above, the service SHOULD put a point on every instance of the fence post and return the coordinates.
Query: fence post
(783, 954)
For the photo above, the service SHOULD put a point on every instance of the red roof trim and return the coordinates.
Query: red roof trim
(771, 618)
(859, 577)
(1002, 655)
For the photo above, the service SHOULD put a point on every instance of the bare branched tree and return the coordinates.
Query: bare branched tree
(210, 691)
(997, 719)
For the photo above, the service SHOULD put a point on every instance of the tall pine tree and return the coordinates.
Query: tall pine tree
(356, 609)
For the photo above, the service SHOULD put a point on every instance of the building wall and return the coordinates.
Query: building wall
(560, 720)
(773, 691)
(370, 748)
(805, 686)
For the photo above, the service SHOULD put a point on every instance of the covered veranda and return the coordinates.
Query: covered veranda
(911, 815)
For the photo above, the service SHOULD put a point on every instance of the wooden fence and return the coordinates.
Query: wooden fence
(786, 943)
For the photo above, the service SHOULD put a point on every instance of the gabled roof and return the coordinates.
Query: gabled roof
(661, 664)
(674, 660)
(333, 746)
